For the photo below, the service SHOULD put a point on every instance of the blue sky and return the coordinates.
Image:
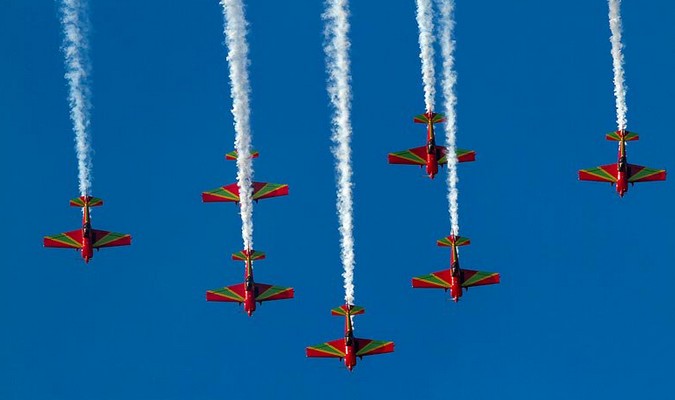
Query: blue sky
(585, 308)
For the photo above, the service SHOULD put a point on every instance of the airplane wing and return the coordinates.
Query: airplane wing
(269, 292)
(603, 173)
(110, 239)
(415, 156)
(436, 280)
(230, 193)
(333, 349)
(462, 155)
(369, 347)
(638, 173)
(72, 240)
(234, 293)
(478, 278)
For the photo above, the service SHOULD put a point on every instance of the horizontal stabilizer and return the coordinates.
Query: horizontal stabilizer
(457, 240)
(82, 200)
(425, 118)
(617, 135)
(255, 255)
(345, 309)
(233, 155)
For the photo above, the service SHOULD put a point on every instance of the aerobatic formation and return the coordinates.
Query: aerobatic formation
(245, 191)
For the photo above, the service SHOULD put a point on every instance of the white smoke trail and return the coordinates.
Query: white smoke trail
(75, 25)
(449, 80)
(237, 57)
(617, 63)
(339, 91)
(425, 24)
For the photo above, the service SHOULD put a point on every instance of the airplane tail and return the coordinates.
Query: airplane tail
(255, 255)
(457, 240)
(345, 309)
(86, 200)
(233, 155)
(425, 118)
(625, 135)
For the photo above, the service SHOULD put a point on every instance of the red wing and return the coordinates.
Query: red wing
(369, 347)
(230, 193)
(478, 278)
(269, 292)
(638, 173)
(604, 173)
(71, 240)
(332, 349)
(263, 190)
(462, 155)
(436, 280)
(234, 293)
(415, 156)
(110, 239)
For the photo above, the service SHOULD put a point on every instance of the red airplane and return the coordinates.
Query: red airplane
(249, 292)
(350, 347)
(455, 278)
(622, 173)
(87, 239)
(430, 155)
(230, 193)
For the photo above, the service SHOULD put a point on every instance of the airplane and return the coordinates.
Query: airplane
(430, 155)
(87, 239)
(350, 347)
(249, 292)
(455, 278)
(622, 173)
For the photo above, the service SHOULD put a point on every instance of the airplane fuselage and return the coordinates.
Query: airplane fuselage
(250, 292)
(622, 170)
(87, 235)
(455, 275)
(432, 159)
(350, 344)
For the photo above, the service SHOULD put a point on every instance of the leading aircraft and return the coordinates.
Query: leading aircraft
(622, 173)
(349, 347)
(87, 239)
(430, 155)
(455, 278)
(249, 292)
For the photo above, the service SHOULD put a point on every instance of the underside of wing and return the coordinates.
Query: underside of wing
(269, 292)
(72, 240)
(333, 349)
(478, 278)
(604, 173)
(368, 347)
(415, 156)
(462, 155)
(234, 293)
(110, 239)
(263, 190)
(229, 193)
(638, 173)
(436, 280)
